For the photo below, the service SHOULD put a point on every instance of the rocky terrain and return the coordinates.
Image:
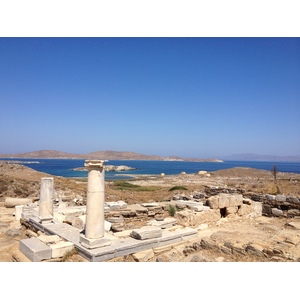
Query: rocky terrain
(103, 155)
(274, 236)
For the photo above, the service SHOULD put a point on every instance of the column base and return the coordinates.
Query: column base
(45, 220)
(93, 243)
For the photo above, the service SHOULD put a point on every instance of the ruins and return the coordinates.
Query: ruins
(92, 241)
(107, 230)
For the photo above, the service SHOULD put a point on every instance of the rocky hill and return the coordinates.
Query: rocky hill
(256, 157)
(41, 154)
(105, 155)
(120, 155)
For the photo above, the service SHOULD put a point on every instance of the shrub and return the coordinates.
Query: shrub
(171, 210)
(123, 185)
(68, 255)
(177, 187)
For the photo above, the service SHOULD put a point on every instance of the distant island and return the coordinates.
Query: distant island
(257, 157)
(103, 155)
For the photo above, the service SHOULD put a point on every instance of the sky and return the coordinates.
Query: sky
(150, 91)
(187, 78)
(191, 97)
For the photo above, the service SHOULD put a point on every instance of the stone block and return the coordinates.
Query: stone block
(146, 232)
(224, 201)
(293, 200)
(122, 204)
(280, 198)
(18, 212)
(180, 204)
(213, 202)
(257, 209)
(293, 213)
(143, 256)
(187, 233)
(61, 248)
(192, 203)
(113, 205)
(235, 200)
(72, 211)
(98, 254)
(166, 223)
(49, 239)
(173, 228)
(115, 219)
(238, 198)
(123, 234)
(244, 210)
(266, 209)
(35, 249)
(94, 243)
(205, 208)
(231, 210)
(59, 217)
(169, 237)
(107, 225)
(130, 245)
(277, 212)
(139, 209)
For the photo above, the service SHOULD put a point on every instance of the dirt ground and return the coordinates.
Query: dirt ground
(20, 181)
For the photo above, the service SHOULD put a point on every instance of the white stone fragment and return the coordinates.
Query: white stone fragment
(146, 232)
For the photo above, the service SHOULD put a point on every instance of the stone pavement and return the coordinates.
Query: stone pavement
(147, 237)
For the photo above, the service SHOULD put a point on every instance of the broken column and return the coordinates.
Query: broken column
(93, 234)
(46, 199)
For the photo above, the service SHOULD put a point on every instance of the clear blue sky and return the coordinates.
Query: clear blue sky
(192, 97)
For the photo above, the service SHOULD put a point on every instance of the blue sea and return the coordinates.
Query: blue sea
(65, 167)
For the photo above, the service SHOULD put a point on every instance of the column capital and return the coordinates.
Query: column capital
(94, 163)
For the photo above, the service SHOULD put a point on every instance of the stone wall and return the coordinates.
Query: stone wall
(233, 201)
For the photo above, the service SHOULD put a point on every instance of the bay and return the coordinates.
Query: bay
(65, 167)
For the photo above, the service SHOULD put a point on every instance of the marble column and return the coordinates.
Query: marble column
(93, 236)
(46, 199)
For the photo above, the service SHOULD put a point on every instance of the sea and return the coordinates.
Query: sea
(67, 167)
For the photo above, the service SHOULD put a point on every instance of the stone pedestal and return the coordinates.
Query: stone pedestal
(46, 199)
(18, 212)
(93, 235)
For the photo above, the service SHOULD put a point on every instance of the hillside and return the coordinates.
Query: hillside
(41, 154)
(104, 155)
(120, 155)
(256, 157)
